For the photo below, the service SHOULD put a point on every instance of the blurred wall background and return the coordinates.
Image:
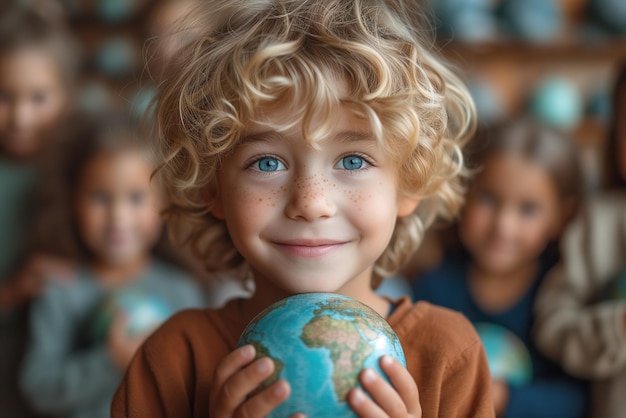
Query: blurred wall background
(555, 59)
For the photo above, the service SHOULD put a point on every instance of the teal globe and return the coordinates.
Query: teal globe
(319, 343)
(508, 357)
(143, 312)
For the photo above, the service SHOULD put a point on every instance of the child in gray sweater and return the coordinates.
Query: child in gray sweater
(85, 330)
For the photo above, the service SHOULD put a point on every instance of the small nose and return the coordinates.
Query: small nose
(119, 213)
(22, 115)
(310, 198)
(505, 220)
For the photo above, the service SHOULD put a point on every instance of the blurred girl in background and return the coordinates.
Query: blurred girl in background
(526, 189)
(38, 67)
(581, 309)
(103, 212)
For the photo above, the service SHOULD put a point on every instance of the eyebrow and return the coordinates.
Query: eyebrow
(353, 136)
(343, 136)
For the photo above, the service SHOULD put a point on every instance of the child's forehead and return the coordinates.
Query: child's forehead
(288, 118)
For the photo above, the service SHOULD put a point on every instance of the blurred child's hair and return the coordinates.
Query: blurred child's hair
(21, 29)
(613, 178)
(55, 229)
(252, 55)
(539, 144)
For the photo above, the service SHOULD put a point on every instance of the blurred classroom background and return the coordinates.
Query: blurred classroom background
(554, 59)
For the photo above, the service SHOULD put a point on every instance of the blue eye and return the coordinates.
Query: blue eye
(269, 164)
(352, 162)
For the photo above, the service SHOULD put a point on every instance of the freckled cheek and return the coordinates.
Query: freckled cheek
(360, 200)
(252, 200)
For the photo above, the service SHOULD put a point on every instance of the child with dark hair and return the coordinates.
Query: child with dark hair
(526, 188)
(38, 67)
(581, 322)
(104, 214)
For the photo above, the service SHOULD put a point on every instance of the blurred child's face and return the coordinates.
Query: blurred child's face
(512, 212)
(118, 207)
(310, 219)
(32, 100)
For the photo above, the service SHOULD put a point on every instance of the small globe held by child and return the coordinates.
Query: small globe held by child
(508, 357)
(143, 312)
(319, 343)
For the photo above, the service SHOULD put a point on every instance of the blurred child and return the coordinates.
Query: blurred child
(38, 65)
(109, 217)
(579, 323)
(299, 137)
(526, 188)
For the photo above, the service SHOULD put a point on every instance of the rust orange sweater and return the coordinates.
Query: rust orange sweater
(171, 374)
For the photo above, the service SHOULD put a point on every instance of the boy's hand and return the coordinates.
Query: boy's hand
(236, 377)
(398, 399)
(123, 347)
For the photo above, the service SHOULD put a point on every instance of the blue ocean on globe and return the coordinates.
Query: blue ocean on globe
(319, 343)
(143, 312)
(508, 357)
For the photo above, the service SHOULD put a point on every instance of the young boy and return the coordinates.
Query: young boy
(300, 136)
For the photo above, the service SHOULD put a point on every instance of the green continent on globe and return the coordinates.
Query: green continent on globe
(366, 318)
(262, 351)
(348, 350)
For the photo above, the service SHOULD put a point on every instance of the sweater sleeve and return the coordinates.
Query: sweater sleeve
(55, 378)
(587, 337)
(446, 358)
(466, 385)
(170, 375)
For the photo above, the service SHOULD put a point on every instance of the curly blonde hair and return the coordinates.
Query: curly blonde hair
(251, 54)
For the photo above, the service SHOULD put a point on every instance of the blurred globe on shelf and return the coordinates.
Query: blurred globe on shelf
(118, 11)
(557, 102)
(507, 355)
(117, 57)
(142, 101)
(319, 343)
(465, 20)
(533, 20)
(489, 104)
(142, 310)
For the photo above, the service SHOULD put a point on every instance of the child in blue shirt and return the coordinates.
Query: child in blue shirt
(526, 189)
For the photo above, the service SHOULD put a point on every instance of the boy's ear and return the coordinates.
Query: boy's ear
(407, 206)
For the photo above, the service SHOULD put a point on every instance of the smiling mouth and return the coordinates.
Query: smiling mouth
(309, 249)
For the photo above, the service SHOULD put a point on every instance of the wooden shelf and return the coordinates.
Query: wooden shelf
(612, 50)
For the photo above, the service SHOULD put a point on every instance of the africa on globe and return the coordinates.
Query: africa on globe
(319, 343)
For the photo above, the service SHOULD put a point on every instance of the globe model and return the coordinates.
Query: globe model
(143, 312)
(319, 343)
(507, 355)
